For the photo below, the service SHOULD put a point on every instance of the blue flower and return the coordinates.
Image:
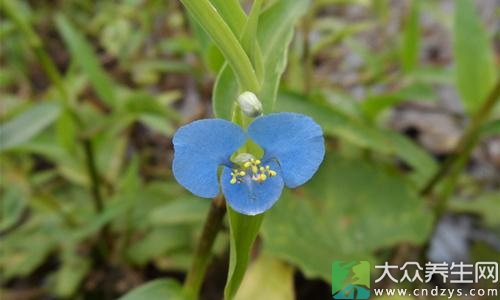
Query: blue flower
(293, 148)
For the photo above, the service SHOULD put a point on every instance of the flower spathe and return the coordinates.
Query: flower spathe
(293, 147)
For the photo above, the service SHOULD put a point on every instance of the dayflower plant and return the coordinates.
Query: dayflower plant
(293, 148)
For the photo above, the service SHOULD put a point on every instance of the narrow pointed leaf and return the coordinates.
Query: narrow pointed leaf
(473, 53)
(243, 231)
(83, 54)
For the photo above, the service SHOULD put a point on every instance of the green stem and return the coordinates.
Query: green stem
(213, 224)
(208, 17)
(467, 141)
(94, 177)
(36, 44)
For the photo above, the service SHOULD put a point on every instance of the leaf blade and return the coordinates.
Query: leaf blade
(27, 125)
(475, 67)
(82, 52)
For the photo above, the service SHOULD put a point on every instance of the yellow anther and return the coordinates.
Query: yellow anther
(251, 169)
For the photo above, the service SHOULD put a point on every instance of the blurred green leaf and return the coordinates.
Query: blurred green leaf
(422, 163)
(212, 57)
(243, 231)
(491, 128)
(114, 209)
(486, 205)
(12, 206)
(350, 209)
(475, 65)
(66, 131)
(267, 278)
(159, 289)
(411, 38)
(374, 104)
(71, 274)
(159, 242)
(83, 54)
(157, 123)
(68, 165)
(19, 256)
(181, 211)
(27, 125)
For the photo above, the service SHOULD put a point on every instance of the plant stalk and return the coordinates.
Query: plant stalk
(94, 177)
(467, 141)
(201, 259)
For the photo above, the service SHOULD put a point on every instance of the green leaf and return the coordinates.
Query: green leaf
(225, 94)
(70, 275)
(218, 30)
(181, 211)
(274, 33)
(475, 65)
(487, 206)
(66, 130)
(243, 231)
(423, 164)
(19, 256)
(83, 54)
(411, 38)
(350, 209)
(249, 40)
(374, 104)
(157, 243)
(212, 57)
(12, 206)
(27, 125)
(491, 128)
(232, 13)
(113, 210)
(267, 278)
(159, 289)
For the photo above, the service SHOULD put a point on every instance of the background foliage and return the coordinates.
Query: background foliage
(92, 92)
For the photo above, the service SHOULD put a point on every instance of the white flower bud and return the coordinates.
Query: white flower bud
(250, 104)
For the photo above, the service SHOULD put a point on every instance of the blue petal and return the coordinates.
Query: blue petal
(250, 197)
(295, 140)
(200, 148)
